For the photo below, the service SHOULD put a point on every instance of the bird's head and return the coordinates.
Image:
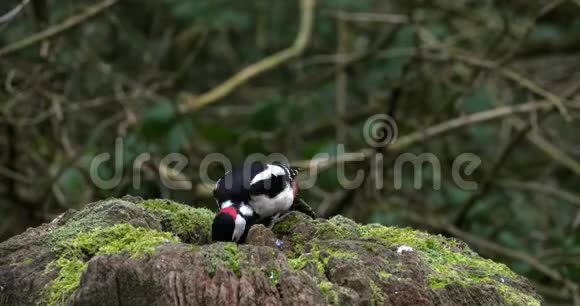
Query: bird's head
(231, 225)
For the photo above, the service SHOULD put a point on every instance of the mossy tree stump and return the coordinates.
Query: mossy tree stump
(136, 252)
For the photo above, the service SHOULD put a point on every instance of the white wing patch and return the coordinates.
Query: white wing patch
(239, 228)
(246, 210)
(266, 206)
(270, 171)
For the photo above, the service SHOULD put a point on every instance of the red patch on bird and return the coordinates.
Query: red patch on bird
(295, 188)
(230, 211)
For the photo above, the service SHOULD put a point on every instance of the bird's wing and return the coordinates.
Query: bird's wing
(270, 186)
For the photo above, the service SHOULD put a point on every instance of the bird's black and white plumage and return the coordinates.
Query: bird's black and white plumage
(232, 223)
(252, 193)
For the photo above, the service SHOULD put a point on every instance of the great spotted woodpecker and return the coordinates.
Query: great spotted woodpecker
(254, 193)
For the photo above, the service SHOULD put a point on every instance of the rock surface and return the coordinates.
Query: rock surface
(155, 252)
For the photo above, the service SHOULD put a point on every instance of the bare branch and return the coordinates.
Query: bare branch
(461, 122)
(491, 175)
(193, 102)
(58, 29)
(519, 79)
(372, 17)
(13, 12)
(433, 131)
(550, 149)
(543, 189)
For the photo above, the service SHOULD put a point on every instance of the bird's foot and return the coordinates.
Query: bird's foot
(303, 207)
(278, 218)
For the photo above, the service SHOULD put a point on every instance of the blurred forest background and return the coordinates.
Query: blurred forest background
(500, 79)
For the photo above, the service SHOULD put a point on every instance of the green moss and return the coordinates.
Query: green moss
(384, 275)
(187, 222)
(74, 254)
(300, 229)
(226, 254)
(286, 226)
(24, 262)
(318, 257)
(328, 231)
(377, 293)
(117, 239)
(449, 260)
(297, 237)
(336, 228)
(371, 247)
(516, 298)
(327, 288)
(231, 258)
(298, 242)
(97, 215)
(273, 274)
(67, 281)
(307, 261)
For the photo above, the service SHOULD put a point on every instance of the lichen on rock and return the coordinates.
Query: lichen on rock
(138, 252)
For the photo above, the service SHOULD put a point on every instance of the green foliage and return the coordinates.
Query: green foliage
(163, 130)
(72, 184)
(72, 95)
(478, 100)
(217, 133)
(267, 116)
(158, 120)
(218, 14)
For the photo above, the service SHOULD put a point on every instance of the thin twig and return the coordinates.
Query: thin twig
(341, 87)
(372, 17)
(543, 189)
(15, 176)
(490, 176)
(550, 149)
(58, 29)
(519, 79)
(461, 122)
